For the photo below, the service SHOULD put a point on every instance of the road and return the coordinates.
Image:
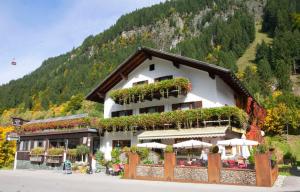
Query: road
(49, 181)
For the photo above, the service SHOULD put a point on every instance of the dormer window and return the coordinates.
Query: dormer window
(163, 78)
(152, 67)
(140, 83)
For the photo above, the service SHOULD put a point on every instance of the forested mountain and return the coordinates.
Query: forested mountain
(217, 31)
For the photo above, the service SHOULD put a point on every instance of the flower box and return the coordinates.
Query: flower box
(55, 159)
(36, 158)
(157, 90)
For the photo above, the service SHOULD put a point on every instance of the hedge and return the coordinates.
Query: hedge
(138, 92)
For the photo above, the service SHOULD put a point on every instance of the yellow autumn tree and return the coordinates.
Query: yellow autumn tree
(7, 148)
(279, 117)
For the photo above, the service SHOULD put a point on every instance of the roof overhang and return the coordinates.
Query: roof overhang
(58, 132)
(143, 53)
(184, 133)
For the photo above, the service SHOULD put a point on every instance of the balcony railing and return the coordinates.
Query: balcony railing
(175, 119)
(140, 93)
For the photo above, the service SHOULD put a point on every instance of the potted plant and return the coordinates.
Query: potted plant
(54, 155)
(72, 154)
(37, 154)
(169, 149)
(83, 150)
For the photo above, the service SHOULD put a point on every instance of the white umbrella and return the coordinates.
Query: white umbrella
(240, 142)
(191, 144)
(152, 145)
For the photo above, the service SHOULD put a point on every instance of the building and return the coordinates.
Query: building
(62, 132)
(152, 81)
(151, 96)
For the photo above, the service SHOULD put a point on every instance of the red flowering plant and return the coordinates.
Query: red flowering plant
(62, 124)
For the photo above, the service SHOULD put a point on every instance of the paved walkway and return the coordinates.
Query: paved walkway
(49, 181)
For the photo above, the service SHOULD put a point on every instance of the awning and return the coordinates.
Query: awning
(184, 133)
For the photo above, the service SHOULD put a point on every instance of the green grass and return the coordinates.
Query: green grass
(249, 56)
(294, 143)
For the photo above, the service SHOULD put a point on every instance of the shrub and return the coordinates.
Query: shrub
(126, 149)
(133, 149)
(55, 151)
(72, 153)
(37, 151)
(214, 149)
(115, 154)
(82, 150)
(261, 149)
(169, 149)
(148, 162)
(251, 157)
(99, 157)
(143, 152)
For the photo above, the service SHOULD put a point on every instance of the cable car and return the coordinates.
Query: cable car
(13, 62)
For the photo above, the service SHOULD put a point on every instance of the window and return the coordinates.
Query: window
(25, 146)
(40, 143)
(228, 150)
(121, 113)
(154, 109)
(163, 78)
(72, 143)
(121, 143)
(140, 83)
(187, 106)
(151, 67)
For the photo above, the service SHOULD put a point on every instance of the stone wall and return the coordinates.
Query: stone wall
(22, 164)
(191, 174)
(156, 171)
(238, 176)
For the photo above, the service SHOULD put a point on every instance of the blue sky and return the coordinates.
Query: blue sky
(33, 30)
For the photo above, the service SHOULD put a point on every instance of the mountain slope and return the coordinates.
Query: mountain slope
(217, 31)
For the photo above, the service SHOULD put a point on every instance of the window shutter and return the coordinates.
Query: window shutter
(197, 104)
(160, 109)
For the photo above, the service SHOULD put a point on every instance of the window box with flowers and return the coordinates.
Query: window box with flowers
(140, 93)
(37, 155)
(54, 155)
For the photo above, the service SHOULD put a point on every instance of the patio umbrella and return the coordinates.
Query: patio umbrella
(191, 144)
(240, 142)
(152, 145)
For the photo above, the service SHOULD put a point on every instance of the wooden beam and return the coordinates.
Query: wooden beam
(125, 77)
(100, 95)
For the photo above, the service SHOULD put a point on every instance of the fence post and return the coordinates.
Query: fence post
(169, 165)
(263, 170)
(214, 167)
(133, 162)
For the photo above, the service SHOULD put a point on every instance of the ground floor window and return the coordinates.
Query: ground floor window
(72, 143)
(121, 143)
(56, 143)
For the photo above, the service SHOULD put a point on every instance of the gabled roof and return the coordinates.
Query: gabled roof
(143, 53)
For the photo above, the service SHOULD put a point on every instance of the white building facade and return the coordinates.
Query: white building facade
(207, 88)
